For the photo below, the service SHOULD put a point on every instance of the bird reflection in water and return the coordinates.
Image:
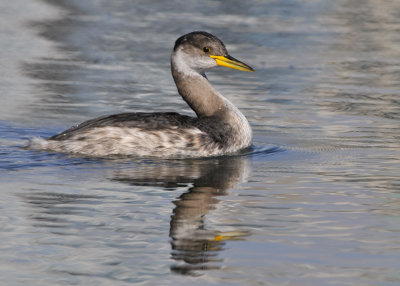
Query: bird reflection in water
(195, 247)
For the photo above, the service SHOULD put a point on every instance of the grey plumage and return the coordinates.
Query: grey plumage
(219, 132)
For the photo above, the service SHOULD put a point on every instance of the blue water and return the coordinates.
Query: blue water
(315, 202)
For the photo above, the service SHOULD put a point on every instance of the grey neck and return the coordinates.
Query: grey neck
(197, 91)
(199, 94)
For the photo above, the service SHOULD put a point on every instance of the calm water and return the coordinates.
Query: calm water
(316, 203)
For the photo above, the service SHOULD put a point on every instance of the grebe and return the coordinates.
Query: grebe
(220, 128)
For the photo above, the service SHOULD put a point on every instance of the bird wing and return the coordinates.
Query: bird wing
(147, 121)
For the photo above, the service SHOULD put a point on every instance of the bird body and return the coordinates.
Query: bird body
(219, 128)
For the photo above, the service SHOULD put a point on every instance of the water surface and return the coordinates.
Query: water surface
(315, 203)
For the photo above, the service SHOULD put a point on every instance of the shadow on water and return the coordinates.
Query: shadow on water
(195, 246)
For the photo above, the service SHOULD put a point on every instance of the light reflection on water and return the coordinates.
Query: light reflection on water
(315, 202)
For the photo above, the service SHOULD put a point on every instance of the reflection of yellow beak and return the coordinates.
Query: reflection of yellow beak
(231, 62)
(230, 235)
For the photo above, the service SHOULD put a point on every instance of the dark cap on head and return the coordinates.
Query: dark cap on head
(196, 38)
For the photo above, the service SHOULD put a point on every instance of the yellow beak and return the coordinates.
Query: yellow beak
(231, 62)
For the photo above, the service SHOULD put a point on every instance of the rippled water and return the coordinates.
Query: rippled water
(316, 202)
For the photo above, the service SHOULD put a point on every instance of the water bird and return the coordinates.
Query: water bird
(219, 128)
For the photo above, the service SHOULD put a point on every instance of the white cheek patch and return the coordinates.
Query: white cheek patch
(188, 64)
